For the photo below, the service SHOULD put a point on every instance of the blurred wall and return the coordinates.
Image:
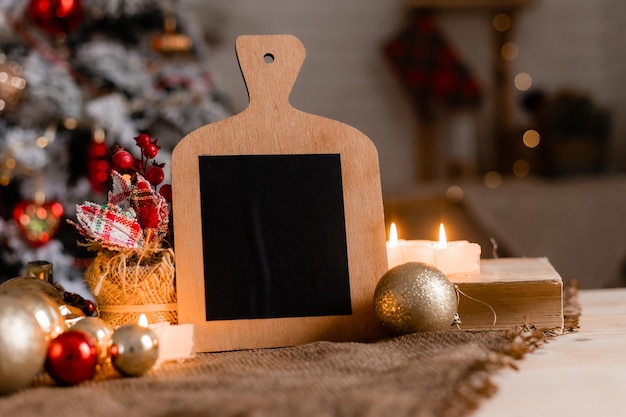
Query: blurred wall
(561, 43)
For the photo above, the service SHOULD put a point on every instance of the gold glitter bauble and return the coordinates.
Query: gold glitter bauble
(415, 297)
(101, 333)
(22, 345)
(12, 84)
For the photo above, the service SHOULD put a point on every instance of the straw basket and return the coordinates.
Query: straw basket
(128, 284)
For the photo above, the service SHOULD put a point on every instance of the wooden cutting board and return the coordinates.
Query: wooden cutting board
(278, 218)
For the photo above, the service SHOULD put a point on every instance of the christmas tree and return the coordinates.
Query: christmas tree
(76, 79)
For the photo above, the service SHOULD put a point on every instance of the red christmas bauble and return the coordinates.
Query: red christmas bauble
(38, 222)
(98, 166)
(56, 16)
(72, 358)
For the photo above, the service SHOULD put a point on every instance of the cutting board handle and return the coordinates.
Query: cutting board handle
(270, 65)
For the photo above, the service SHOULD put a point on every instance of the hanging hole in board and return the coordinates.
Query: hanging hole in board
(268, 58)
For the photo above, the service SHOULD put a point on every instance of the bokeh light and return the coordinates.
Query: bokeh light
(510, 51)
(531, 138)
(521, 168)
(523, 81)
(501, 22)
(454, 193)
(493, 179)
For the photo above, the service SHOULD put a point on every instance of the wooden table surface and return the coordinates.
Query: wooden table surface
(578, 374)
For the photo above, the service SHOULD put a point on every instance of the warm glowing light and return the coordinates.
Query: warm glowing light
(98, 135)
(509, 51)
(493, 179)
(443, 242)
(41, 213)
(143, 320)
(393, 235)
(501, 22)
(18, 83)
(523, 81)
(41, 142)
(455, 193)
(70, 123)
(531, 138)
(521, 168)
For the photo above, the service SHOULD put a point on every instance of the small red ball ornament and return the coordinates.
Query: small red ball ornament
(98, 166)
(56, 17)
(72, 358)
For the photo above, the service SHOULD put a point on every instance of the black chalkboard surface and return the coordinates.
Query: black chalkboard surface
(279, 232)
(274, 236)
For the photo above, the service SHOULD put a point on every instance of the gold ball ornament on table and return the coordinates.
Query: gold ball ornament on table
(22, 345)
(21, 285)
(134, 349)
(44, 310)
(33, 285)
(415, 297)
(100, 331)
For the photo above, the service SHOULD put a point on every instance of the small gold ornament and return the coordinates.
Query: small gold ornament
(415, 297)
(12, 84)
(101, 333)
(134, 349)
(170, 41)
(43, 270)
(22, 345)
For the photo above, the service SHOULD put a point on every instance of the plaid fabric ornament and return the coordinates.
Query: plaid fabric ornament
(119, 194)
(108, 225)
(429, 67)
(151, 209)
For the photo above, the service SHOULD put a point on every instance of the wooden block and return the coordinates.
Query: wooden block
(520, 290)
(269, 162)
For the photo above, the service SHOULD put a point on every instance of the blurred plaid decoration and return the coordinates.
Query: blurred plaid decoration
(429, 67)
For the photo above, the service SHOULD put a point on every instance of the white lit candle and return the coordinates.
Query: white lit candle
(175, 341)
(395, 254)
(450, 257)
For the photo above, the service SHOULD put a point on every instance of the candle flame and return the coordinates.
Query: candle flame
(143, 320)
(393, 235)
(443, 242)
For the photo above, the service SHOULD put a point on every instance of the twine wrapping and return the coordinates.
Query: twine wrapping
(127, 284)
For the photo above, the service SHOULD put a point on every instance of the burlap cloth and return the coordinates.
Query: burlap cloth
(426, 374)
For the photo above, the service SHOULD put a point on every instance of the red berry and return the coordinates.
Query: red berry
(155, 175)
(123, 159)
(150, 150)
(166, 191)
(142, 140)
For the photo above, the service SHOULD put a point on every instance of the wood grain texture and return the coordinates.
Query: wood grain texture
(271, 126)
(576, 375)
(520, 290)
